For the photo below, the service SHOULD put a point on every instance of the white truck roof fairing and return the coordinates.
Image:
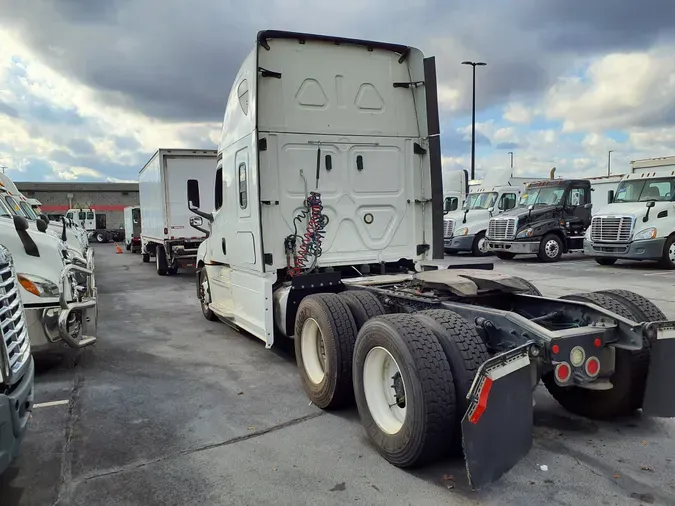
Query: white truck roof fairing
(652, 163)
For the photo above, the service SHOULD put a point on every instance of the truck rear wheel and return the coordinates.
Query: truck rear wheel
(650, 310)
(550, 248)
(146, 258)
(363, 306)
(404, 389)
(325, 332)
(628, 380)
(160, 260)
(465, 351)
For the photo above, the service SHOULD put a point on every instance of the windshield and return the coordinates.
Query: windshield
(28, 210)
(82, 216)
(542, 196)
(14, 206)
(481, 200)
(642, 190)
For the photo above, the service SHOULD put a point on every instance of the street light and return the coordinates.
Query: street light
(609, 161)
(473, 116)
(511, 153)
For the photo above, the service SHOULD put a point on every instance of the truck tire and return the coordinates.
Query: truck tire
(160, 260)
(100, 237)
(325, 332)
(404, 389)
(465, 351)
(363, 306)
(206, 311)
(532, 290)
(605, 260)
(504, 255)
(479, 247)
(172, 271)
(668, 257)
(650, 310)
(146, 258)
(550, 248)
(629, 377)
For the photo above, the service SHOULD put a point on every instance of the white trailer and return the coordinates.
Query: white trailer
(602, 189)
(639, 222)
(166, 233)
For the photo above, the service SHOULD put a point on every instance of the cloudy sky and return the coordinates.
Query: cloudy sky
(90, 88)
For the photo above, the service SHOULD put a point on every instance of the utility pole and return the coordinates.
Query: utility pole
(511, 153)
(473, 116)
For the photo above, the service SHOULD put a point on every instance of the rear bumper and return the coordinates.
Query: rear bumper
(651, 249)
(515, 247)
(15, 409)
(461, 243)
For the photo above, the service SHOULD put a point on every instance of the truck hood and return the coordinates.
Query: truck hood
(471, 217)
(524, 216)
(630, 209)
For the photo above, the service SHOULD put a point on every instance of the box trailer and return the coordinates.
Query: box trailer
(166, 233)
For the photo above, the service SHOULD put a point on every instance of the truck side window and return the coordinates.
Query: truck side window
(193, 192)
(219, 188)
(82, 216)
(243, 193)
(508, 201)
(577, 197)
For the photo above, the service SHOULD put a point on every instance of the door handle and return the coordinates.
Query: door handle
(224, 246)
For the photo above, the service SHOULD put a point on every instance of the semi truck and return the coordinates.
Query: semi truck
(95, 224)
(639, 221)
(166, 233)
(465, 229)
(455, 190)
(17, 370)
(327, 229)
(132, 228)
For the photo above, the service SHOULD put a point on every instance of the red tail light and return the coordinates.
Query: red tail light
(592, 367)
(166, 230)
(563, 372)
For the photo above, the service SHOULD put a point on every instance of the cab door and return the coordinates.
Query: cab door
(578, 210)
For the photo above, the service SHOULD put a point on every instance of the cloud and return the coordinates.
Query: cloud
(518, 113)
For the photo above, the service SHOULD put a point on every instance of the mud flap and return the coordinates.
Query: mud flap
(497, 427)
(659, 398)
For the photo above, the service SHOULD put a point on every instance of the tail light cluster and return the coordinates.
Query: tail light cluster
(577, 360)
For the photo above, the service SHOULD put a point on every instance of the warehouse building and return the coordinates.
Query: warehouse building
(109, 199)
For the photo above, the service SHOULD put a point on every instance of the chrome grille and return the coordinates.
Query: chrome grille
(502, 228)
(12, 321)
(611, 228)
(449, 228)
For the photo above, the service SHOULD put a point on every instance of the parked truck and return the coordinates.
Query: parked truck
(464, 230)
(166, 233)
(639, 222)
(455, 190)
(16, 364)
(327, 228)
(132, 228)
(95, 224)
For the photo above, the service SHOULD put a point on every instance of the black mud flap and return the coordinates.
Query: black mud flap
(659, 397)
(497, 427)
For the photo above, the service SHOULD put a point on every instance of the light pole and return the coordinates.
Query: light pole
(511, 153)
(473, 116)
(609, 162)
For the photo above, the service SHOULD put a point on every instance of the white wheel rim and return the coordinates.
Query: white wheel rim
(379, 370)
(482, 245)
(551, 249)
(671, 252)
(313, 351)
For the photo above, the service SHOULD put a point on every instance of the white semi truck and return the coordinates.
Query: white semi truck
(639, 223)
(455, 190)
(327, 229)
(166, 233)
(464, 230)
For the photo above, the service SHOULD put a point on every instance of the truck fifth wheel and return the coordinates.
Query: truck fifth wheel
(327, 228)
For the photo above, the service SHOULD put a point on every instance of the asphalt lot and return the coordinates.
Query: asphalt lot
(170, 409)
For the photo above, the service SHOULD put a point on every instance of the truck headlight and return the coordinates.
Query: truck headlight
(647, 233)
(38, 286)
(462, 231)
(526, 232)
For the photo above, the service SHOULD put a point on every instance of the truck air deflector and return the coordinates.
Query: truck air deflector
(497, 427)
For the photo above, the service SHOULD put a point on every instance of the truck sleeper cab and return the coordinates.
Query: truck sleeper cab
(551, 219)
(16, 364)
(639, 223)
(327, 229)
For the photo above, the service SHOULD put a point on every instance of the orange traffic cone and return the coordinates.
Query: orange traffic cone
(118, 250)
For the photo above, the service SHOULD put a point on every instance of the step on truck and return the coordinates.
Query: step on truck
(639, 221)
(327, 229)
(166, 233)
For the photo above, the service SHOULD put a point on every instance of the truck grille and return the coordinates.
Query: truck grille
(501, 228)
(611, 229)
(449, 228)
(12, 321)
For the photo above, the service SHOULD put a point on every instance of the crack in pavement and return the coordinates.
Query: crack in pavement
(238, 439)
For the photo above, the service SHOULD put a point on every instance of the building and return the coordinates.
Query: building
(109, 199)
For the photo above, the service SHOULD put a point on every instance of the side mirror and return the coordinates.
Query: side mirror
(196, 221)
(530, 207)
(491, 209)
(21, 226)
(610, 196)
(41, 225)
(44, 218)
(588, 206)
(20, 223)
(651, 203)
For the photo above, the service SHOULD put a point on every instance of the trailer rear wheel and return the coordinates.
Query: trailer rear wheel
(651, 311)
(363, 305)
(146, 258)
(325, 333)
(160, 261)
(628, 380)
(465, 351)
(404, 389)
